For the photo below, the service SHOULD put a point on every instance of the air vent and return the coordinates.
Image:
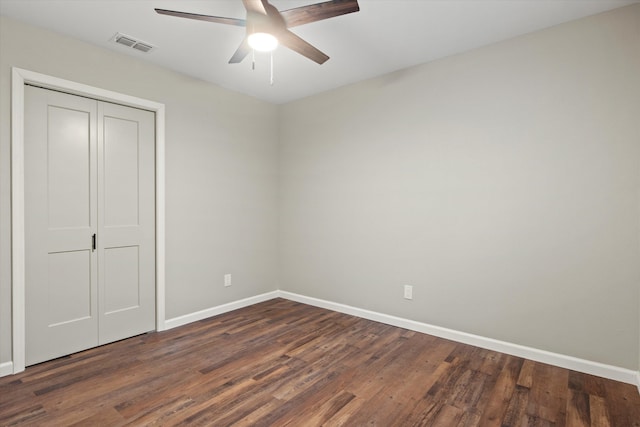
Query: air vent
(143, 47)
(132, 42)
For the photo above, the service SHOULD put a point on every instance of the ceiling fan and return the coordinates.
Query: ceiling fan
(267, 26)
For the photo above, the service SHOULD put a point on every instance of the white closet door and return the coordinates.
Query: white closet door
(61, 217)
(126, 221)
(89, 170)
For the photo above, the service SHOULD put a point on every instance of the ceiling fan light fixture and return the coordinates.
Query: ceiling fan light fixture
(262, 42)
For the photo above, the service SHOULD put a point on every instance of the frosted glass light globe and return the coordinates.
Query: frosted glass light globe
(262, 42)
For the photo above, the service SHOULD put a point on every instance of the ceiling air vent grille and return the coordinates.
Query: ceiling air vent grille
(143, 47)
(132, 42)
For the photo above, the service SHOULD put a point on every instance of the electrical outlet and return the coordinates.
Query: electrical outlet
(227, 279)
(408, 292)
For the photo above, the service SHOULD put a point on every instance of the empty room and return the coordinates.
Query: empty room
(307, 212)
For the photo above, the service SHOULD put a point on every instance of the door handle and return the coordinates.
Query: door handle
(93, 242)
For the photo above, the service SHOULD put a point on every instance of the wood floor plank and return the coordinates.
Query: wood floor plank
(578, 410)
(525, 379)
(283, 363)
(341, 418)
(549, 393)
(598, 412)
(516, 411)
(622, 402)
(320, 413)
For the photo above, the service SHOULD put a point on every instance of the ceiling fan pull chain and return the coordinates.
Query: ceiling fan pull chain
(271, 82)
(253, 59)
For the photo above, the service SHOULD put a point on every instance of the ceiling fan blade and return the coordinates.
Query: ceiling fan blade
(295, 43)
(240, 53)
(318, 12)
(256, 6)
(208, 18)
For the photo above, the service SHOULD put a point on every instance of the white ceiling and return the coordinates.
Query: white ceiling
(386, 35)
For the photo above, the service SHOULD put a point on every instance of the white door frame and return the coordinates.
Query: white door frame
(19, 78)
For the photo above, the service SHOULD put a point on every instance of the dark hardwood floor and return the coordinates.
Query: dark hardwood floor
(284, 363)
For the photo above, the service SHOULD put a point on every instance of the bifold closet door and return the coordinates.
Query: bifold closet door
(89, 223)
(126, 221)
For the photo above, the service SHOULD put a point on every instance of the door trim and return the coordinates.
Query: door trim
(20, 77)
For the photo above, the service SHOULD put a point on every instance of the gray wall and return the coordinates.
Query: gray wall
(220, 170)
(502, 183)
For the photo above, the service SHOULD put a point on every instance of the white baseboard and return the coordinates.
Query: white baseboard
(6, 368)
(569, 362)
(220, 309)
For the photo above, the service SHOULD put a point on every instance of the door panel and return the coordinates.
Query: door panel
(68, 167)
(121, 279)
(68, 293)
(60, 218)
(126, 185)
(121, 171)
(89, 169)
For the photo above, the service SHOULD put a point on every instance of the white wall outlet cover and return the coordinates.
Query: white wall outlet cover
(408, 292)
